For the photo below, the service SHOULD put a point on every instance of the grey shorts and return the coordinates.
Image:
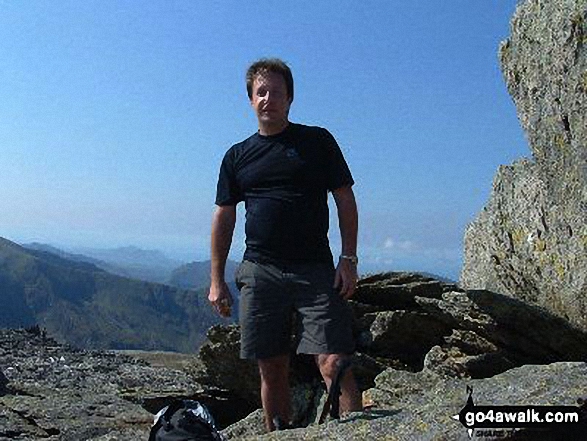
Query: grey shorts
(270, 295)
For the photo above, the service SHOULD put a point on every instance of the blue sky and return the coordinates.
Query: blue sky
(115, 115)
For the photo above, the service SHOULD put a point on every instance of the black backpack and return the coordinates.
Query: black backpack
(184, 420)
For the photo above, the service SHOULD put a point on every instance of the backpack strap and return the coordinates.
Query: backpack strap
(332, 404)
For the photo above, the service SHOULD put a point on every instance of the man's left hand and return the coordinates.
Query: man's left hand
(345, 279)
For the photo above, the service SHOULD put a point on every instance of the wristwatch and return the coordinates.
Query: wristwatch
(353, 259)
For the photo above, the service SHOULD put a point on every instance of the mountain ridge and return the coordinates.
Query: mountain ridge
(86, 306)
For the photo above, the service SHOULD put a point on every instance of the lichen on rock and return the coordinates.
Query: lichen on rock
(529, 241)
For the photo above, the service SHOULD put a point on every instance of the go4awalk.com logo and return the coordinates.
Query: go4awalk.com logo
(501, 421)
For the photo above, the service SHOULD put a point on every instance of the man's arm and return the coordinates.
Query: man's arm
(346, 271)
(223, 222)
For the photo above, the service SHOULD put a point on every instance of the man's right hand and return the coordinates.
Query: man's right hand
(220, 298)
(222, 227)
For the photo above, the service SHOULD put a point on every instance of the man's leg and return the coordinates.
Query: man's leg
(265, 317)
(350, 399)
(275, 389)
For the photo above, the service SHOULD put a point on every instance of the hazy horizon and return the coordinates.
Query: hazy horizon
(187, 257)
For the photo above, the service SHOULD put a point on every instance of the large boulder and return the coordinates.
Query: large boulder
(473, 333)
(492, 333)
(530, 241)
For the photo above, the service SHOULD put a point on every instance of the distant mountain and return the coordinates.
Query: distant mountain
(133, 262)
(111, 268)
(84, 305)
(130, 255)
(196, 275)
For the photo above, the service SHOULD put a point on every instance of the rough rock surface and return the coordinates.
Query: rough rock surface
(406, 329)
(530, 241)
(416, 381)
(53, 391)
(420, 406)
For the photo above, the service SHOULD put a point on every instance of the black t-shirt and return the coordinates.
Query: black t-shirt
(284, 180)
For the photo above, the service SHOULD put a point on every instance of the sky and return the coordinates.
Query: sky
(114, 117)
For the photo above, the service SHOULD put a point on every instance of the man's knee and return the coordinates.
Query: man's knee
(274, 370)
(329, 364)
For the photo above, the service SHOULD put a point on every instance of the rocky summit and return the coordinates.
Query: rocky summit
(53, 391)
(530, 241)
(421, 343)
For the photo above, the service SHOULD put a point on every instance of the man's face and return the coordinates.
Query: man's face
(270, 99)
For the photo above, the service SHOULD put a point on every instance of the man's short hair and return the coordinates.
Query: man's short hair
(270, 65)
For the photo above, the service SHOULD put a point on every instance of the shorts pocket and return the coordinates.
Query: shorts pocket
(243, 274)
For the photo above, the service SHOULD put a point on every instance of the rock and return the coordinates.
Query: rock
(395, 339)
(307, 398)
(469, 342)
(233, 381)
(405, 335)
(493, 333)
(421, 405)
(58, 392)
(53, 391)
(450, 361)
(395, 290)
(461, 334)
(223, 366)
(251, 426)
(463, 352)
(366, 368)
(451, 333)
(3, 384)
(467, 354)
(530, 241)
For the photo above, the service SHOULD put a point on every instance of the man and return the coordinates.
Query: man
(283, 174)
